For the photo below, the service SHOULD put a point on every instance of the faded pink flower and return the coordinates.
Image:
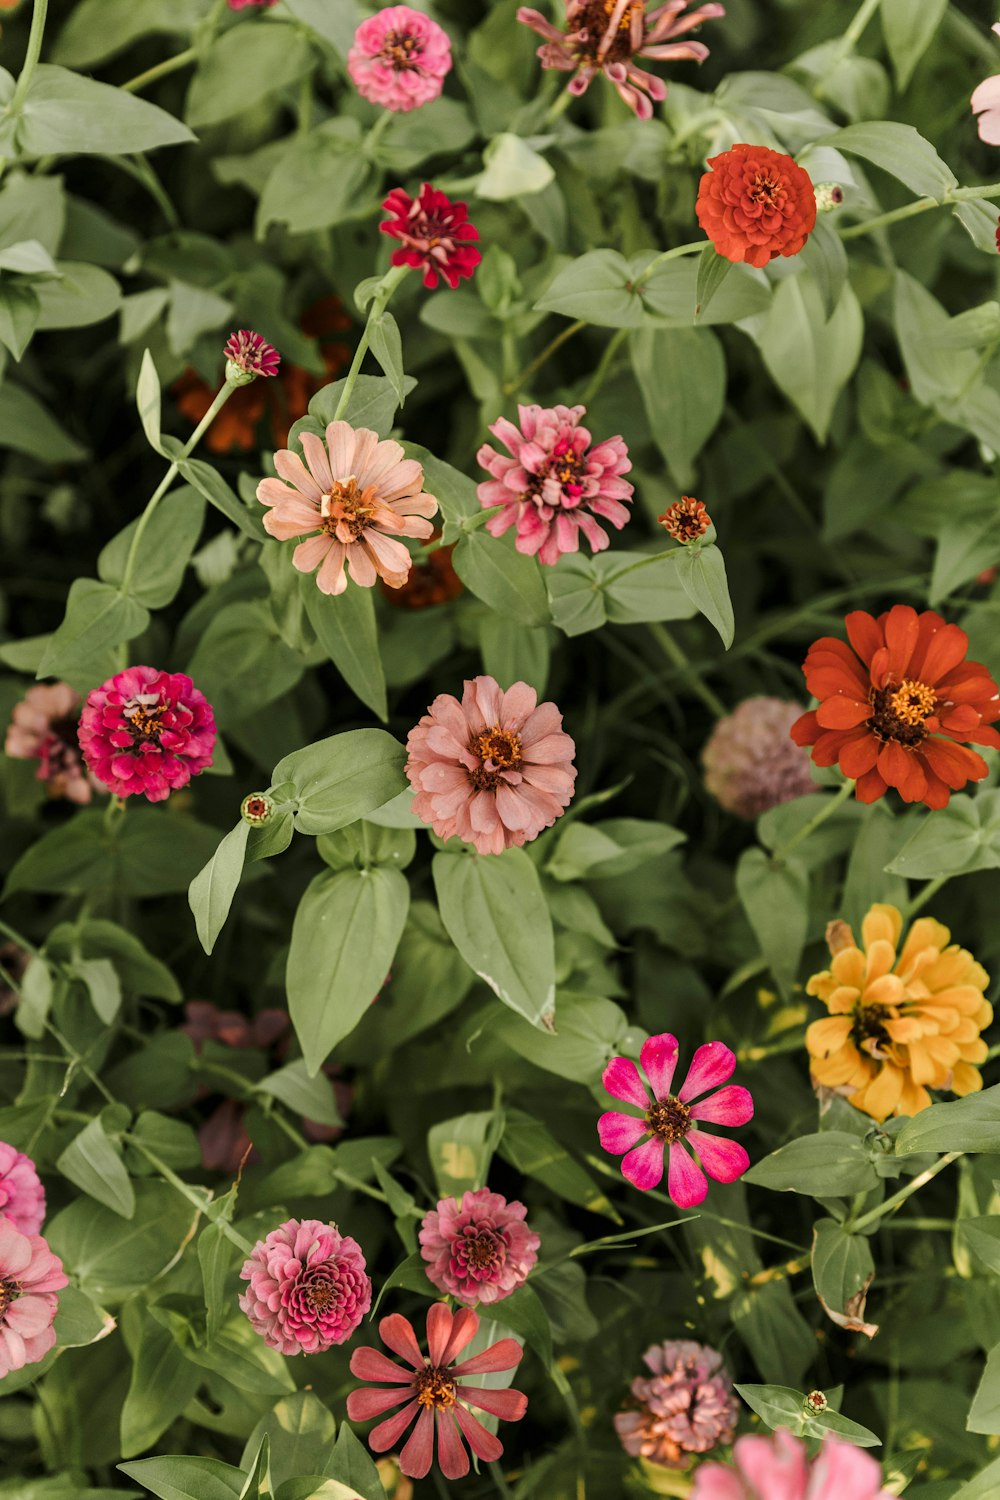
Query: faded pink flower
(435, 233)
(766, 1468)
(146, 731)
(751, 763)
(246, 4)
(399, 59)
(30, 1276)
(493, 770)
(687, 1407)
(555, 483)
(433, 1392)
(249, 355)
(357, 495)
(309, 1288)
(479, 1250)
(43, 727)
(668, 1120)
(22, 1197)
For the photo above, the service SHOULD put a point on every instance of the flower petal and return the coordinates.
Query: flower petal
(396, 1332)
(621, 1079)
(722, 1159)
(711, 1065)
(659, 1060)
(686, 1182)
(643, 1167)
(732, 1105)
(619, 1133)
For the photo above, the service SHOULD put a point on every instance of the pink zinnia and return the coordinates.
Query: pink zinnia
(687, 1407)
(352, 498)
(479, 1250)
(251, 355)
(767, 1467)
(309, 1288)
(751, 762)
(147, 731)
(669, 1119)
(433, 1392)
(555, 483)
(435, 232)
(22, 1197)
(399, 59)
(986, 104)
(493, 770)
(30, 1276)
(43, 727)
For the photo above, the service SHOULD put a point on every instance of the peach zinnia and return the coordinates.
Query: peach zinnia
(755, 204)
(351, 499)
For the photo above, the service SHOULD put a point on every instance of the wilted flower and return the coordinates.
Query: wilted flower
(479, 1250)
(43, 727)
(247, 356)
(399, 59)
(686, 520)
(687, 1407)
(433, 1392)
(751, 764)
(435, 233)
(555, 484)
(755, 204)
(493, 770)
(432, 581)
(309, 1288)
(146, 731)
(30, 1277)
(22, 1197)
(779, 1465)
(668, 1120)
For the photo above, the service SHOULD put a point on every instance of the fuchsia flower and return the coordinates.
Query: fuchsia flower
(670, 1119)
(309, 1288)
(493, 770)
(751, 762)
(22, 1197)
(687, 1407)
(43, 727)
(767, 1468)
(433, 1391)
(245, 4)
(479, 1250)
(555, 484)
(30, 1276)
(399, 59)
(435, 233)
(147, 731)
(251, 356)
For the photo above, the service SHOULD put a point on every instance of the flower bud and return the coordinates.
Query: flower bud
(829, 195)
(257, 809)
(816, 1403)
(686, 520)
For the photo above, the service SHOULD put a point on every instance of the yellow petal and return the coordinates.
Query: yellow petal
(966, 1080)
(881, 957)
(882, 924)
(882, 1095)
(823, 1038)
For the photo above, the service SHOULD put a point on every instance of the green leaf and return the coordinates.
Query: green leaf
(311, 1097)
(965, 546)
(97, 29)
(149, 853)
(216, 1255)
(505, 579)
(19, 313)
(243, 66)
(828, 1165)
(163, 1382)
(100, 978)
(971, 1124)
(461, 1150)
(775, 897)
(909, 31)
(335, 24)
(387, 347)
(597, 287)
(210, 483)
(681, 374)
(93, 1163)
(343, 778)
(173, 1141)
(211, 892)
(454, 491)
(954, 840)
(713, 269)
(194, 312)
(614, 847)
(346, 628)
(826, 260)
(984, 1414)
(843, 1270)
(79, 1320)
(37, 993)
(84, 294)
(163, 553)
(702, 574)
(532, 1149)
(524, 1314)
(242, 645)
(147, 400)
(670, 294)
(780, 1406)
(300, 1430)
(240, 1356)
(512, 169)
(982, 1235)
(65, 114)
(591, 1029)
(186, 1478)
(353, 1466)
(26, 427)
(98, 619)
(321, 179)
(372, 404)
(810, 356)
(899, 150)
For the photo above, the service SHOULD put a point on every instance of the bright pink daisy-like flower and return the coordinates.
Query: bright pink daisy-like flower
(30, 1276)
(434, 1392)
(147, 731)
(555, 484)
(479, 1250)
(399, 59)
(493, 770)
(670, 1120)
(309, 1288)
(22, 1197)
(43, 727)
(250, 355)
(686, 1407)
(767, 1467)
(435, 232)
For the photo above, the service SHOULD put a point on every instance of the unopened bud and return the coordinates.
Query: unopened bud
(816, 1402)
(257, 809)
(829, 195)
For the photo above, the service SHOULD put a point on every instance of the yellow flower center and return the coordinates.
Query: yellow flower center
(669, 1119)
(435, 1389)
(498, 750)
(899, 713)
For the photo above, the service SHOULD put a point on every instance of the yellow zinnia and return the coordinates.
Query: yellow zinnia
(902, 1018)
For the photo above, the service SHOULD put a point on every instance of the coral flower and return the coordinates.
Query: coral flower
(434, 1393)
(352, 498)
(755, 204)
(892, 708)
(43, 727)
(247, 356)
(399, 59)
(493, 770)
(435, 233)
(479, 1250)
(765, 1468)
(904, 1016)
(147, 731)
(22, 1197)
(309, 1288)
(687, 1407)
(669, 1120)
(30, 1277)
(606, 36)
(686, 520)
(555, 484)
(751, 764)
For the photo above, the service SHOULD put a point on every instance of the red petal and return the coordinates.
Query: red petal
(946, 649)
(858, 755)
(482, 1442)
(452, 1457)
(902, 628)
(843, 713)
(870, 787)
(369, 1364)
(396, 1332)
(509, 1406)
(805, 731)
(954, 764)
(503, 1355)
(864, 634)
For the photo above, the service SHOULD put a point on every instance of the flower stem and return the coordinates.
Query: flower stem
(927, 893)
(557, 108)
(15, 937)
(607, 359)
(829, 807)
(677, 656)
(540, 359)
(921, 1180)
(161, 70)
(390, 281)
(921, 206)
(30, 57)
(202, 1204)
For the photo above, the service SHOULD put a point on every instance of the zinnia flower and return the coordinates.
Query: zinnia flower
(244, 4)
(309, 1288)
(147, 731)
(755, 204)
(435, 232)
(493, 770)
(670, 1120)
(399, 59)
(892, 709)
(986, 106)
(905, 1016)
(606, 36)
(43, 727)
(247, 356)
(30, 1276)
(433, 1391)
(479, 1250)
(687, 1407)
(555, 484)
(767, 1467)
(686, 520)
(22, 1197)
(751, 764)
(351, 498)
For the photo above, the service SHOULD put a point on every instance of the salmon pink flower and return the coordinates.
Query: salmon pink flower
(687, 1407)
(479, 1250)
(30, 1277)
(555, 484)
(434, 1392)
(755, 204)
(146, 731)
(247, 356)
(899, 706)
(669, 1120)
(751, 764)
(435, 232)
(43, 727)
(764, 1468)
(493, 770)
(399, 59)
(309, 1287)
(22, 1197)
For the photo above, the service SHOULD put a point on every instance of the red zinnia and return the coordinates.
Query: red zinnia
(435, 232)
(892, 717)
(755, 204)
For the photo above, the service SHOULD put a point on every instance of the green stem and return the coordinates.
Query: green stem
(31, 57)
(689, 677)
(557, 108)
(694, 247)
(378, 130)
(390, 281)
(854, 32)
(15, 937)
(921, 206)
(828, 809)
(161, 70)
(644, 562)
(202, 1204)
(80, 1062)
(927, 893)
(546, 354)
(921, 1180)
(604, 365)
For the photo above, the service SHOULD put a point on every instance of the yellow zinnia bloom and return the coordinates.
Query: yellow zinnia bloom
(902, 1018)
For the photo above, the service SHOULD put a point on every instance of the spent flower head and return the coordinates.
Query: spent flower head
(685, 1405)
(751, 763)
(686, 520)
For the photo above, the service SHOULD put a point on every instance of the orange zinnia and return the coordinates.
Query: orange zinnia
(893, 709)
(755, 204)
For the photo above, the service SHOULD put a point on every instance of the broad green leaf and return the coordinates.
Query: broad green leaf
(98, 29)
(613, 847)
(461, 1150)
(597, 288)
(532, 1149)
(346, 629)
(242, 645)
(98, 619)
(713, 269)
(37, 992)
(163, 553)
(186, 1478)
(512, 169)
(971, 1124)
(372, 404)
(163, 1382)
(66, 114)
(826, 259)
(953, 840)
(937, 374)
(843, 1270)
(240, 1356)
(93, 1163)
(210, 483)
(100, 979)
(387, 347)
(780, 1406)
(244, 65)
(311, 1097)
(670, 294)
(336, 24)
(343, 778)
(194, 311)
(502, 577)
(84, 294)
(80, 1321)
(321, 178)
(984, 1414)
(353, 1466)
(982, 1235)
(591, 1029)
(702, 575)
(26, 427)
(134, 856)
(826, 1165)
(810, 356)
(909, 30)
(19, 313)
(899, 150)
(301, 1432)
(775, 897)
(454, 491)
(173, 1141)
(211, 893)
(216, 1258)
(965, 547)
(681, 374)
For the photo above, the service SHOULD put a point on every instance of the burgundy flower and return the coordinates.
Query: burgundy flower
(479, 1250)
(435, 233)
(147, 731)
(687, 1407)
(43, 727)
(309, 1288)
(251, 356)
(22, 1197)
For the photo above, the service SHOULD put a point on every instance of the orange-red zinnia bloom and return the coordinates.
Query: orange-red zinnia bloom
(901, 707)
(755, 204)
(686, 520)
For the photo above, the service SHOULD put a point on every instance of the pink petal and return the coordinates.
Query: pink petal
(621, 1079)
(644, 1166)
(506, 1354)
(365, 1404)
(464, 1329)
(418, 1454)
(439, 1325)
(659, 1059)
(686, 1182)
(452, 1457)
(483, 1444)
(519, 703)
(387, 1434)
(729, 1106)
(370, 1364)
(776, 1466)
(619, 1133)
(711, 1065)
(509, 1406)
(722, 1159)
(396, 1332)
(291, 468)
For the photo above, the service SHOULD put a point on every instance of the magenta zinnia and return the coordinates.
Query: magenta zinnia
(146, 731)
(399, 59)
(686, 1407)
(30, 1277)
(435, 233)
(43, 727)
(309, 1288)
(22, 1197)
(479, 1250)
(779, 1465)
(251, 355)
(434, 1394)
(669, 1122)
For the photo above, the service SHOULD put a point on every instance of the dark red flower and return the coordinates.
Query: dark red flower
(755, 204)
(435, 233)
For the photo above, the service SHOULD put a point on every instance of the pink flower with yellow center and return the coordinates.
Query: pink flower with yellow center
(399, 59)
(22, 1197)
(309, 1287)
(43, 727)
(30, 1277)
(146, 731)
(479, 1250)
(766, 1468)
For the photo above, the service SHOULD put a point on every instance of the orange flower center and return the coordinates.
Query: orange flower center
(593, 21)
(346, 510)
(435, 1389)
(899, 712)
(765, 190)
(144, 715)
(401, 50)
(498, 750)
(669, 1119)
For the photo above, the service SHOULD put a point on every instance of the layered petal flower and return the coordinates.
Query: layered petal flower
(399, 58)
(686, 1405)
(308, 1287)
(249, 355)
(755, 203)
(22, 1197)
(778, 1468)
(751, 764)
(43, 727)
(147, 732)
(478, 1250)
(434, 233)
(30, 1277)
